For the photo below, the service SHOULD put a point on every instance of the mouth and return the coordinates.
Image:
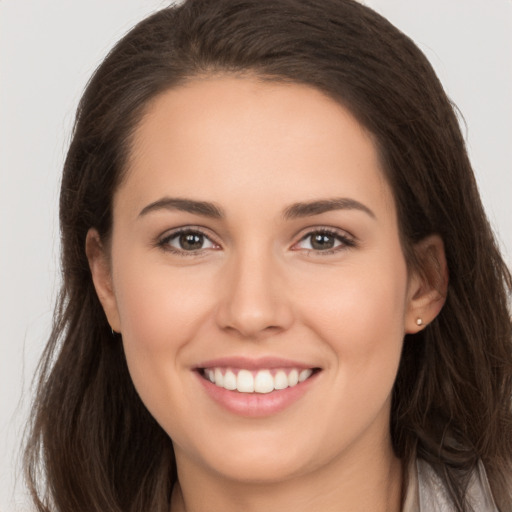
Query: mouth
(260, 381)
(257, 387)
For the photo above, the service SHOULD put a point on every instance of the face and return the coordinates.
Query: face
(257, 278)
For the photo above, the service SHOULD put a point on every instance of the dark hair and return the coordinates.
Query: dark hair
(93, 443)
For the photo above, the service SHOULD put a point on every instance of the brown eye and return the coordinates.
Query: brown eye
(324, 241)
(191, 241)
(187, 241)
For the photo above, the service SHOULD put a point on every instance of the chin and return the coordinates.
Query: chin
(258, 458)
(263, 470)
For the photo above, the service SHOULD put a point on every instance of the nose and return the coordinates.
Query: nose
(254, 298)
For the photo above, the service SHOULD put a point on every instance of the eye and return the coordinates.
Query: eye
(324, 241)
(187, 240)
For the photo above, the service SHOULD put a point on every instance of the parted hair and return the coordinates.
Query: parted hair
(92, 446)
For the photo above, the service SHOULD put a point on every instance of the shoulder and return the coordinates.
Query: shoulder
(426, 492)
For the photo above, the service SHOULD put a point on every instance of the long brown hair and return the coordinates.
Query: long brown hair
(93, 445)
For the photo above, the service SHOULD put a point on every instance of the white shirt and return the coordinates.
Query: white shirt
(427, 493)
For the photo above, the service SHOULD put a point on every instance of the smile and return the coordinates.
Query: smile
(256, 381)
(256, 387)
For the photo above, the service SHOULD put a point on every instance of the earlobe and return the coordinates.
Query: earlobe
(102, 277)
(428, 284)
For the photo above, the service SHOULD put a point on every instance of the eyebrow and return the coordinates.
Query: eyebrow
(311, 208)
(294, 211)
(203, 208)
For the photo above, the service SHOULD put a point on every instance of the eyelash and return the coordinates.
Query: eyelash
(164, 242)
(346, 241)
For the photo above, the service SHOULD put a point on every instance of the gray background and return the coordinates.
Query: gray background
(49, 49)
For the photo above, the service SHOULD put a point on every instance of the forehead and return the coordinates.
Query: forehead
(237, 135)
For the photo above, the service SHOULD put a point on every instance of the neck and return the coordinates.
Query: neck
(347, 484)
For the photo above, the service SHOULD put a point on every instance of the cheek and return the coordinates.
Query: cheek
(368, 301)
(359, 314)
(161, 311)
(360, 319)
(158, 306)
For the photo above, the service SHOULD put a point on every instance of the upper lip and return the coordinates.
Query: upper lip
(267, 362)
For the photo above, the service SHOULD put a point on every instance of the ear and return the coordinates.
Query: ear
(99, 264)
(428, 284)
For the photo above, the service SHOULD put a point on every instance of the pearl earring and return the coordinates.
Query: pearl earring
(419, 322)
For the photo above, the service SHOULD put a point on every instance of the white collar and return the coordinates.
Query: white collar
(427, 493)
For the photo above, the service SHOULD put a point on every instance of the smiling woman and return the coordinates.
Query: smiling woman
(281, 291)
(253, 291)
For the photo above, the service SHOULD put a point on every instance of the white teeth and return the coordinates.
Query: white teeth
(305, 374)
(244, 381)
(230, 380)
(262, 381)
(293, 378)
(219, 378)
(280, 380)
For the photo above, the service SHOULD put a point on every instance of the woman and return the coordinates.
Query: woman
(280, 287)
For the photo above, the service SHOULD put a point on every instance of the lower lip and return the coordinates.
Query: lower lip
(256, 404)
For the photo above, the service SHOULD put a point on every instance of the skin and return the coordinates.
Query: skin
(257, 288)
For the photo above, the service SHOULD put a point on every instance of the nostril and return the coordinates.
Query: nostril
(252, 301)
